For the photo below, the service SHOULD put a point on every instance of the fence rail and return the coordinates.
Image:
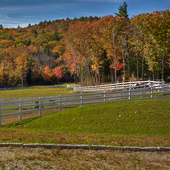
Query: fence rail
(118, 86)
(20, 107)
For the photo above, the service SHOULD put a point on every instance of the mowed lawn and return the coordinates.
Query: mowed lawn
(132, 123)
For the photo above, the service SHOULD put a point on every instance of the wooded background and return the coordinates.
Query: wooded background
(88, 50)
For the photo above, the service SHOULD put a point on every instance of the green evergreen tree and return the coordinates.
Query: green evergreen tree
(123, 11)
(1, 27)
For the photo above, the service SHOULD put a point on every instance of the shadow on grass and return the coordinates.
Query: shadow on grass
(22, 122)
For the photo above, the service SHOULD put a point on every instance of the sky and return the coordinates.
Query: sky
(14, 13)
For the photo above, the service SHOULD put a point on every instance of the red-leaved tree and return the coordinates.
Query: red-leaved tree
(58, 72)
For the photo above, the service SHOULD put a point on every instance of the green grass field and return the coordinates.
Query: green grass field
(135, 123)
(37, 92)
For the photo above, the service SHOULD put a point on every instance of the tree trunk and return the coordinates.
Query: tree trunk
(115, 66)
(4, 76)
(99, 76)
(137, 56)
(128, 64)
(114, 47)
(162, 76)
(137, 66)
(142, 67)
(22, 80)
(111, 75)
(124, 69)
(79, 67)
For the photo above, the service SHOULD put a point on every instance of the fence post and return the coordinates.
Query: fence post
(81, 99)
(130, 85)
(141, 94)
(0, 114)
(20, 109)
(163, 87)
(40, 106)
(116, 86)
(59, 102)
(129, 92)
(149, 82)
(151, 92)
(105, 96)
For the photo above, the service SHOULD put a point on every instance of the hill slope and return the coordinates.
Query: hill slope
(144, 122)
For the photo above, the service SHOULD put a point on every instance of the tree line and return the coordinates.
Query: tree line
(89, 50)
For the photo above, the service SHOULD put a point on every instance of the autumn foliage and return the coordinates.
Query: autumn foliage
(87, 50)
(58, 72)
(47, 74)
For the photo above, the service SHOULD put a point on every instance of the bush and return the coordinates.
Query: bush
(167, 79)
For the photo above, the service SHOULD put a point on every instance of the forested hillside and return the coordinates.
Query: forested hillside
(87, 50)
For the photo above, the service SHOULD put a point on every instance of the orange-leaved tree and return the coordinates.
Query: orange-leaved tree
(155, 29)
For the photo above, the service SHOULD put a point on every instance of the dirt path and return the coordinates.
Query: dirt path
(20, 158)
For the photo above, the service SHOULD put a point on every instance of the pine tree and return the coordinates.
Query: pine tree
(1, 27)
(123, 11)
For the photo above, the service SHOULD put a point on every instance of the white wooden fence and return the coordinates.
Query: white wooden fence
(118, 86)
(23, 106)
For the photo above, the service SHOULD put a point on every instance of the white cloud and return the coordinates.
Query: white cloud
(9, 22)
(12, 16)
(21, 8)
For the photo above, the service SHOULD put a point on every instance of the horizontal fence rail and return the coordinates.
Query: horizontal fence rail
(118, 86)
(22, 106)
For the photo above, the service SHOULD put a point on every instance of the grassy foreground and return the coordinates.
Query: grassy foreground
(135, 123)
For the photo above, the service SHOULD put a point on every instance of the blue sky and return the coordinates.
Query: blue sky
(23, 12)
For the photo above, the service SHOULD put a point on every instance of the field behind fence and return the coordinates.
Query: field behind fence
(26, 106)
